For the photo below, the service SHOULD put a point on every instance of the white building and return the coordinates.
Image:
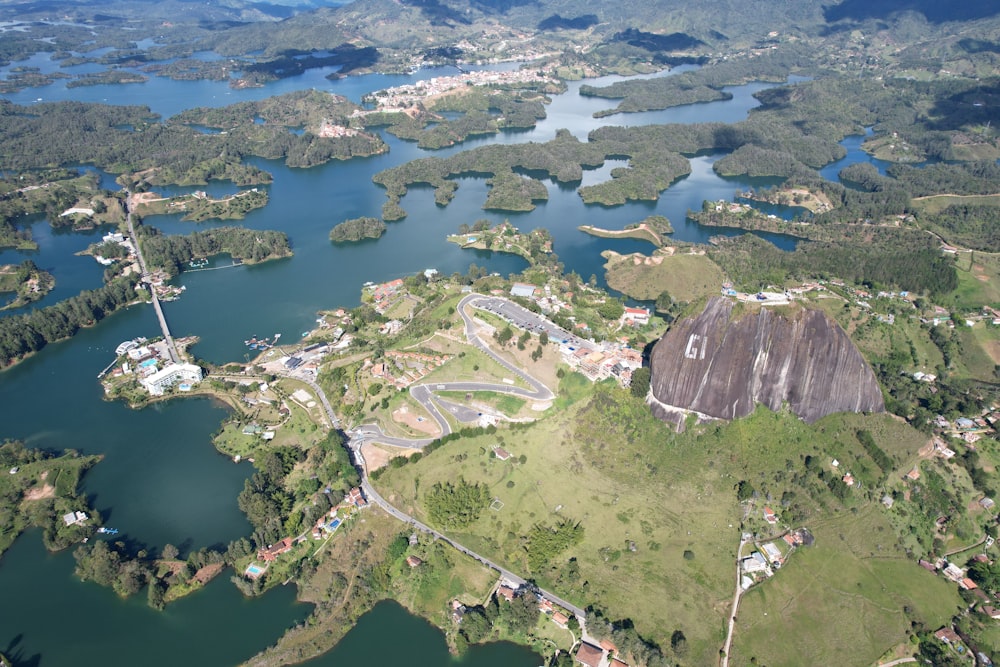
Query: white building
(170, 375)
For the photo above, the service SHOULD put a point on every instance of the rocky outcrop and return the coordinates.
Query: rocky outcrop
(717, 365)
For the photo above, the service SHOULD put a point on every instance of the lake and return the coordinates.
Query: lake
(161, 481)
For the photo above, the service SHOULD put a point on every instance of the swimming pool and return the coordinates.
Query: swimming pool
(254, 570)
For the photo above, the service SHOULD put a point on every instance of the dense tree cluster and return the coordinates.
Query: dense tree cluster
(171, 253)
(887, 257)
(357, 229)
(21, 335)
(456, 505)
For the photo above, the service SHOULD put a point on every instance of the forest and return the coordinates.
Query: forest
(21, 335)
(172, 253)
(357, 229)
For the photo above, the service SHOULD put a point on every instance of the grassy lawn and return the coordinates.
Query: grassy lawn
(685, 277)
(645, 495)
(978, 281)
(852, 579)
(937, 203)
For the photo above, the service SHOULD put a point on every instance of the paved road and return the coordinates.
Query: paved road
(171, 347)
(424, 394)
(373, 496)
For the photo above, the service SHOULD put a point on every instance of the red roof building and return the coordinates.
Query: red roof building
(589, 655)
(506, 593)
(272, 552)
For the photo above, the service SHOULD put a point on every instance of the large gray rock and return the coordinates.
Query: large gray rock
(718, 365)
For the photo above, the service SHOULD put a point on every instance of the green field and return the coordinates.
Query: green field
(645, 496)
(844, 600)
(685, 277)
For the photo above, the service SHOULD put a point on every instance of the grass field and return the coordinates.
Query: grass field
(978, 281)
(937, 203)
(844, 600)
(685, 277)
(645, 495)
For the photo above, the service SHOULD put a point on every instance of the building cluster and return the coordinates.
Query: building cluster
(119, 239)
(602, 654)
(151, 365)
(333, 131)
(507, 591)
(404, 368)
(409, 95)
(604, 361)
(384, 295)
(769, 556)
(968, 429)
(326, 525)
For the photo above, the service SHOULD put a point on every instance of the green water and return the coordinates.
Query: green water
(161, 481)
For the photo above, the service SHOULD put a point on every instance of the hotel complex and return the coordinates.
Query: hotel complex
(170, 375)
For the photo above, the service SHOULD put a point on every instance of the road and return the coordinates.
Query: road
(423, 393)
(171, 346)
(724, 653)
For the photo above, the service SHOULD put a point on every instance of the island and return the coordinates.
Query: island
(26, 281)
(357, 229)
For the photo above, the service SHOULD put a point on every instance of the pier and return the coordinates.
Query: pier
(171, 346)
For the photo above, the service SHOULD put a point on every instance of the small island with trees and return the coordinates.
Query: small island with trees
(357, 229)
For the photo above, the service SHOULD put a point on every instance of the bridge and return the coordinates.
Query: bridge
(171, 346)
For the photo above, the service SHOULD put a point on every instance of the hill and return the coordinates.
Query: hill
(721, 365)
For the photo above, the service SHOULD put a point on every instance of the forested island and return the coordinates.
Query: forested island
(40, 491)
(357, 229)
(172, 253)
(26, 281)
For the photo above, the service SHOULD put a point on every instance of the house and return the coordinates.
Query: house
(589, 655)
(617, 663)
(356, 498)
(986, 503)
(413, 561)
(754, 563)
(635, 317)
(927, 565)
(887, 501)
(75, 518)
(272, 552)
(948, 636)
(770, 516)
(608, 646)
(967, 584)
(992, 612)
(545, 606)
(773, 553)
(560, 619)
(848, 479)
(506, 593)
(914, 474)
(501, 453)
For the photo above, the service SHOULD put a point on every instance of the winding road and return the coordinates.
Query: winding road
(424, 394)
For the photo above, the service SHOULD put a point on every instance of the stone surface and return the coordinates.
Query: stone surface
(720, 365)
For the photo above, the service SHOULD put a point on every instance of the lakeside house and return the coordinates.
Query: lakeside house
(272, 552)
(589, 655)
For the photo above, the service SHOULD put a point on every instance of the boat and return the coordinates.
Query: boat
(107, 531)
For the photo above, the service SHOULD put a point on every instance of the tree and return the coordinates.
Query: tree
(640, 382)
(170, 552)
(664, 302)
(678, 642)
(543, 339)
